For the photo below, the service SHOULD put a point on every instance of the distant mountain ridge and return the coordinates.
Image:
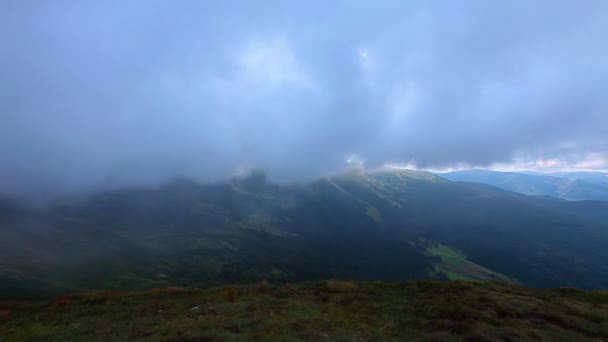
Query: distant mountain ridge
(588, 176)
(567, 185)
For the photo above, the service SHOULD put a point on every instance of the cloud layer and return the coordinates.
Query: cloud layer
(129, 92)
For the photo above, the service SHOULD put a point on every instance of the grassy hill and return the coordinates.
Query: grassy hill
(385, 226)
(330, 310)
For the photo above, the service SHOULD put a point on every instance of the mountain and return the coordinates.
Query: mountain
(587, 176)
(331, 310)
(386, 226)
(571, 186)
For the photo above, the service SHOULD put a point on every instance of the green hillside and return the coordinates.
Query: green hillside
(384, 226)
(330, 310)
(456, 266)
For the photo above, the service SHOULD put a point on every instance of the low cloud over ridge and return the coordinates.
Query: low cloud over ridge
(112, 93)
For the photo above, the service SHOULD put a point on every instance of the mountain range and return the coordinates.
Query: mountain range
(567, 185)
(385, 225)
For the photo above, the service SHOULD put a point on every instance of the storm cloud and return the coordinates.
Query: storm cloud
(111, 93)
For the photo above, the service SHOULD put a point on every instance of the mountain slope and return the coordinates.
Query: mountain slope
(330, 310)
(570, 186)
(456, 266)
(360, 226)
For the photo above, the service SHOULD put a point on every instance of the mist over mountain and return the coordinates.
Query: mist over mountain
(112, 94)
(387, 225)
(278, 170)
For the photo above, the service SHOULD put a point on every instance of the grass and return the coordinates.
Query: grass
(331, 310)
(455, 266)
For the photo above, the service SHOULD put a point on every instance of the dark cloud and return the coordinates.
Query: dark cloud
(100, 93)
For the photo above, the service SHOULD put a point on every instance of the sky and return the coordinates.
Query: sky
(113, 93)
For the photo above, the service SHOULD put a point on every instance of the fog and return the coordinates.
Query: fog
(113, 93)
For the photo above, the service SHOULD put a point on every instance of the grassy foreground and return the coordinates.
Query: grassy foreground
(323, 311)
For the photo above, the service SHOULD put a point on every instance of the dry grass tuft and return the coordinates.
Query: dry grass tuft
(5, 313)
(62, 301)
(166, 290)
(341, 285)
(231, 294)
